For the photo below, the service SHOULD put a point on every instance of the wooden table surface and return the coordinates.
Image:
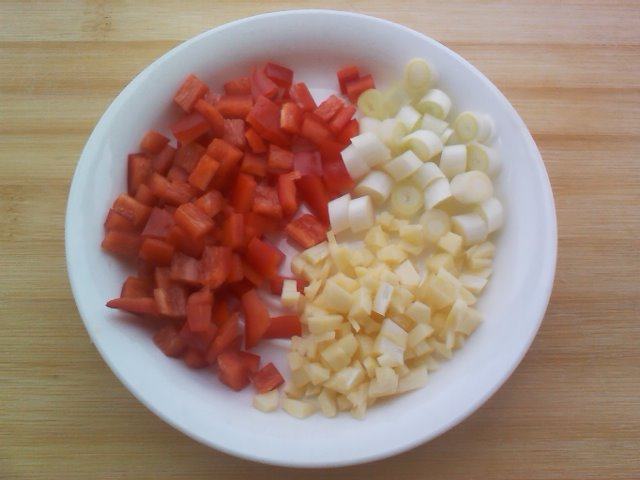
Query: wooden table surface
(571, 410)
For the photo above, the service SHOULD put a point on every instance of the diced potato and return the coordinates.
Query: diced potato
(473, 283)
(411, 248)
(441, 260)
(335, 357)
(295, 360)
(407, 274)
(361, 305)
(376, 238)
(312, 390)
(483, 250)
(355, 326)
(299, 378)
(290, 297)
(327, 403)
(391, 254)
(316, 254)
(365, 346)
(438, 321)
(416, 378)
(436, 292)
(370, 366)
(266, 402)
(343, 330)
(345, 380)
(455, 316)
(400, 300)
(419, 333)
(476, 263)
(340, 258)
(471, 320)
(398, 223)
(394, 332)
(465, 295)
(391, 354)
(451, 242)
(382, 299)
(404, 322)
(349, 344)
(348, 283)
(388, 276)
(297, 265)
(311, 310)
(460, 341)
(298, 345)
(445, 275)
(311, 290)
(440, 348)
(334, 298)
(370, 326)
(343, 403)
(385, 220)
(317, 373)
(422, 348)
(324, 323)
(358, 396)
(418, 312)
(298, 408)
(413, 234)
(291, 391)
(482, 272)
(450, 339)
(385, 383)
(361, 257)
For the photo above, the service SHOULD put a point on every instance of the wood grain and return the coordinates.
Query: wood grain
(570, 411)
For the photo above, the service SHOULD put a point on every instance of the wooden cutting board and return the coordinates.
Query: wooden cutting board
(571, 410)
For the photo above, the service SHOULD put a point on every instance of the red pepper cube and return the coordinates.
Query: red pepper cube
(189, 92)
(267, 378)
(212, 115)
(266, 202)
(256, 318)
(190, 127)
(264, 257)
(281, 76)
(279, 159)
(193, 220)
(329, 108)
(306, 230)
(346, 75)
(139, 170)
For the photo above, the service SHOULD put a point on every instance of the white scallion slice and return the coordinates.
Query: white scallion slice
(471, 227)
(408, 116)
(453, 160)
(483, 158)
(377, 185)
(418, 75)
(424, 143)
(447, 136)
(391, 133)
(436, 103)
(405, 201)
(361, 216)
(403, 165)
(473, 126)
(371, 103)
(395, 97)
(370, 125)
(436, 223)
(354, 162)
(492, 212)
(471, 187)
(371, 148)
(426, 174)
(437, 192)
(339, 213)
(429, 122)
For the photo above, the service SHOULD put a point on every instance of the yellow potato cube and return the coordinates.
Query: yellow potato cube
(451, 242)
(266, 402)
(418, 312)
(298, 408)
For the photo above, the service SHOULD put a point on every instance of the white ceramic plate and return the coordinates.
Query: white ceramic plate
(315, 43)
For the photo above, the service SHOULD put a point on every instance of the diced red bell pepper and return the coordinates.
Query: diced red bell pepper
(134, 287)
(267, 378)
(157, 252)
(153, 142)
(234, 129)
(145, 195)
(251, 361)
(261, 85)
(162, 277)
(188, 156)
(193, 358)
(291, 118)
(336, 176)
(117, 221)
(308, 163)
(185, 269)
(251, 275)
(238, 86)
(185, 242)
(341, 119)
(264, 257)
(265, 120)
(138, 306)
(189, 92)
(229, 158)
(228, 332)
(255, 165)
(204, 171)
(281, 76)
(121, 243)
(256, 225)
(233, 231)
(306, 230)
(199, 306)
(243, 193)
(313, 129)
(162, 162)
(329, 108)
(235, 106)
(173, 193)
(138, 171)
(256, 144)
(145, 271)
(169, 341)
(134, 211)
(279, 160)
(346, 75)
(275, 284)
(232, 370)
(210, 203)
(300, 94)
(171, 301)
(256, 318)
(190, 127)
(350, 130)
(285, 326)
(177, 174)
(159, 224)
(214, 266)
(236, 272)
(193, 220)
(212, 115)
(220, 311)
(315, 196)
(287, 193)
(356, 87)
(266, 202)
